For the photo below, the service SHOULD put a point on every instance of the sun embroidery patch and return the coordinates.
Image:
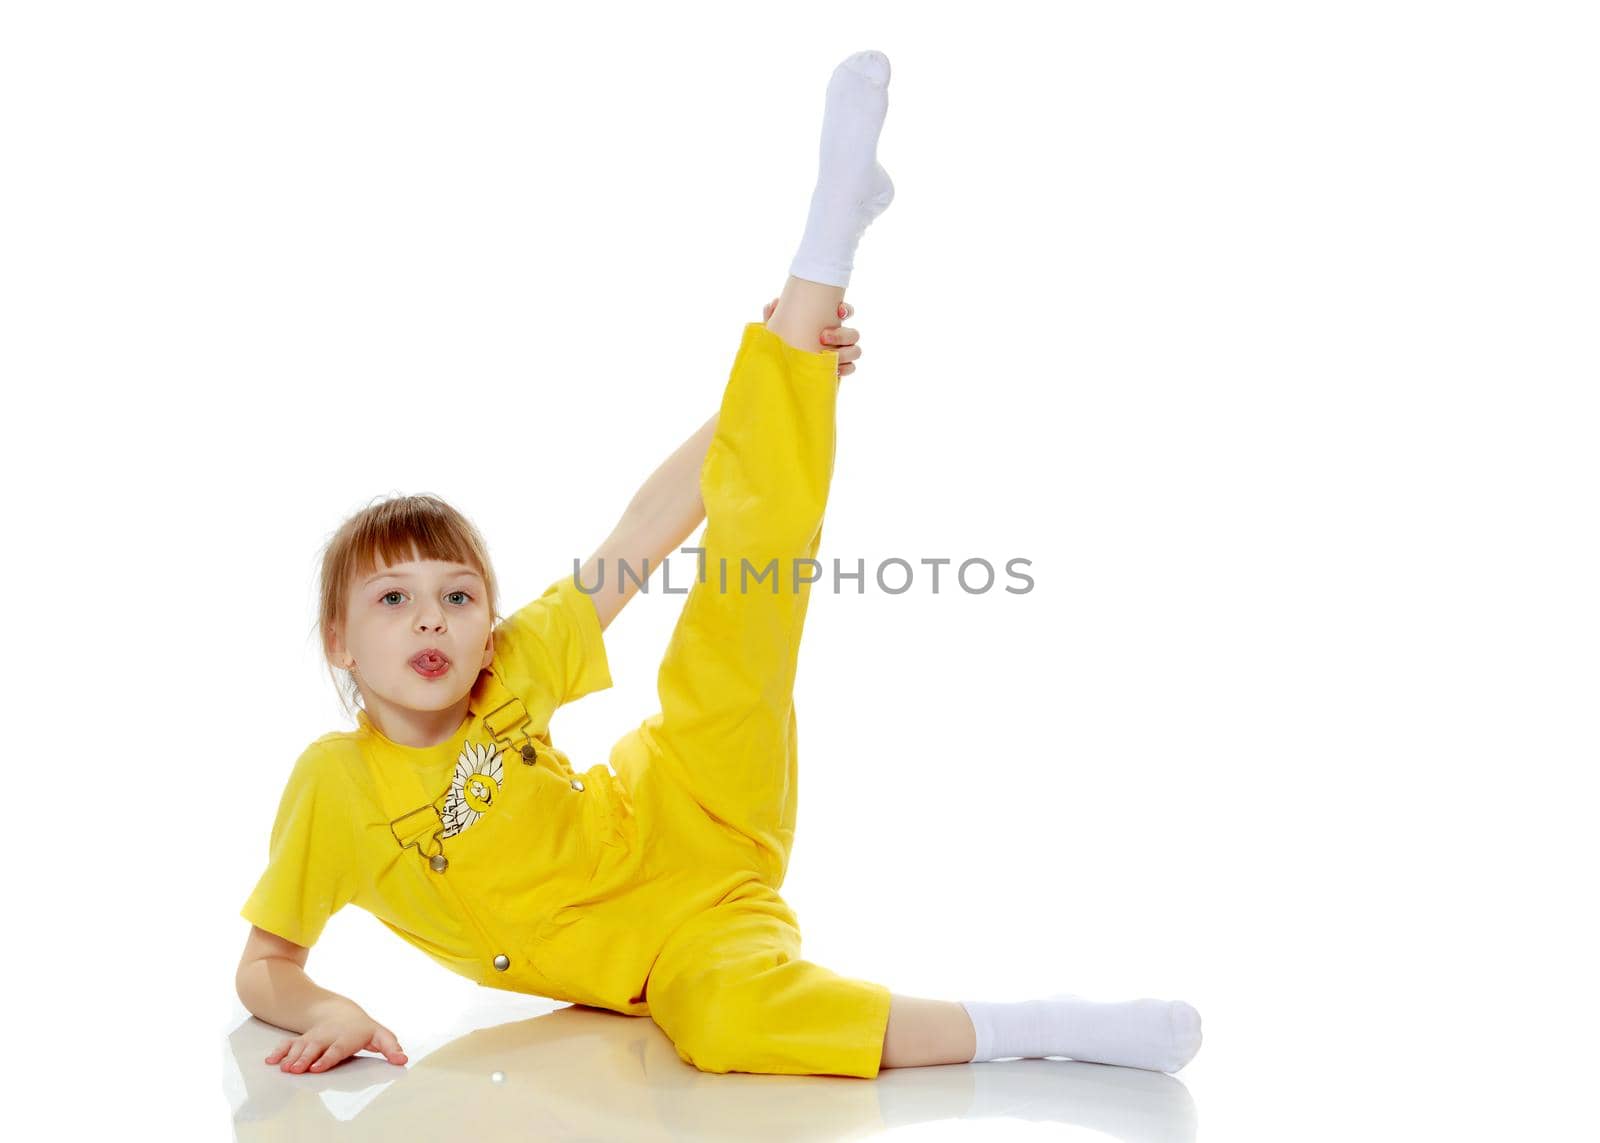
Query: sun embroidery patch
(473, 788)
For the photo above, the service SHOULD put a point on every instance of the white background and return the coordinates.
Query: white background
(1266, 332)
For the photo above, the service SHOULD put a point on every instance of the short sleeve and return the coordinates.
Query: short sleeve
(555, 643)
(311, 868)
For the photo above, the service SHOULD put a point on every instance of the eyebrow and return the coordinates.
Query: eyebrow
(407, 575)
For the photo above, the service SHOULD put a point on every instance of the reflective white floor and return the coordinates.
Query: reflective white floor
(568, 1072)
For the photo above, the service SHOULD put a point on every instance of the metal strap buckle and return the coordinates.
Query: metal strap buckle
(511, 716)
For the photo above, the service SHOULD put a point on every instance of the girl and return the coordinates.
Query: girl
(654, 891)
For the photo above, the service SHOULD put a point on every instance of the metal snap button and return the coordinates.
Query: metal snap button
(529, 755)
(502, 962)
(438, 862)
(577, 785)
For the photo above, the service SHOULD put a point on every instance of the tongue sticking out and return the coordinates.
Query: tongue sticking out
(429, 662)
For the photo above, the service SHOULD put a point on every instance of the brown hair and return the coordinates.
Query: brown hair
(395, 530)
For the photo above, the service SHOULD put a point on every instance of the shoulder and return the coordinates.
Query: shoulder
(332, 758)
(553, 644)
(331, 747)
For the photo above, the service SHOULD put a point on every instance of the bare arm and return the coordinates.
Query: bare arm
(661, 516)
(273, 985)
(279, 992)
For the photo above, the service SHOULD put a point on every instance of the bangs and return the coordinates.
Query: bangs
(412, 532)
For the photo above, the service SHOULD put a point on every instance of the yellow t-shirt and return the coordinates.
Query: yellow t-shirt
(464, 847)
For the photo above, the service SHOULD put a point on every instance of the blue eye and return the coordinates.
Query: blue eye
(387, 594)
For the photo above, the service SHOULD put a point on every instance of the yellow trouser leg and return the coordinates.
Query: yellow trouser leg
(726, 729)
(732, 993)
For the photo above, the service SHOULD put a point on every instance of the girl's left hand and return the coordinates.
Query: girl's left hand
(835, 335)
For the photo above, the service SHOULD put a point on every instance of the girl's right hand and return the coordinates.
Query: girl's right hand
(336, 1035)
(841, 336)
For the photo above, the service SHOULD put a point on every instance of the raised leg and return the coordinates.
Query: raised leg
(852, 189)
(804, 310)
(726, 731)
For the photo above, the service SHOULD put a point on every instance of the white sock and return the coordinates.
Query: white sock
(1159, 1035)
(852, 189)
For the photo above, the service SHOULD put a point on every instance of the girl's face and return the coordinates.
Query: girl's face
(404, 609)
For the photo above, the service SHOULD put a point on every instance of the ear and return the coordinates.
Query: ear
(488, 652)
(336, 652)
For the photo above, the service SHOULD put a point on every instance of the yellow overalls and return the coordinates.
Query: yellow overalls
(654, 892)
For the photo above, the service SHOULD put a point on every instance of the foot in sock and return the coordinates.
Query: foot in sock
(852, 187)
(1159, 1035)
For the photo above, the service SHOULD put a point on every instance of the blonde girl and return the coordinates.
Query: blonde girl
(649, 886)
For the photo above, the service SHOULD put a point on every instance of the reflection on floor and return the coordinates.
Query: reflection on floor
(585, 1073)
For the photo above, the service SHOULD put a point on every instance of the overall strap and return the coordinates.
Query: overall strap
(507, 721)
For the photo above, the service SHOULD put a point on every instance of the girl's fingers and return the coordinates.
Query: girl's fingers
(388, 1044)
(848, 350)
(311, 1051)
